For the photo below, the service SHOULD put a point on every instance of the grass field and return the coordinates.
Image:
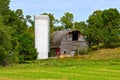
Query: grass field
(98, 65)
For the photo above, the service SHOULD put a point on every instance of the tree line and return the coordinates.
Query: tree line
(101, 27)
(17, 37)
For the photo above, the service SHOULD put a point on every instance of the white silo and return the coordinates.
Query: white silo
(42, 36)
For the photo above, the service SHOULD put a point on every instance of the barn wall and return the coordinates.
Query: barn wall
(68, 45)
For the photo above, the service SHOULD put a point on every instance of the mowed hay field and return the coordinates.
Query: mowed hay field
(103, 64)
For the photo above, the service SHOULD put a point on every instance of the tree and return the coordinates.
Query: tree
(103, 27)
(29, 20)
(26, 47)
(67, 20)
(16, 37)
(95, 27)
(111, 22)
(80, 26)
(6, 45)
(4, 6)
(19, 13)
(7, 18)
(58, 28)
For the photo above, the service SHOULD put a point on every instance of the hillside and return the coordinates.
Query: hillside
(103, 64)
(103, 54)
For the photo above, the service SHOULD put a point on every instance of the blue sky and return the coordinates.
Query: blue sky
(81, 9)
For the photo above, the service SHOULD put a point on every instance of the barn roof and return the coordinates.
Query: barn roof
(58, 36)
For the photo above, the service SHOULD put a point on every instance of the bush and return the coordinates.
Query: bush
(7, 58)
(26, 47)
(52, 52)
(82, 51)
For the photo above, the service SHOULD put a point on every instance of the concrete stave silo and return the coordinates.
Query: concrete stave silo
(42, 36)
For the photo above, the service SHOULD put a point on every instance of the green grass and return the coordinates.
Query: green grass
(86, 67)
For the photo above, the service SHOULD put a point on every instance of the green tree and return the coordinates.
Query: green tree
(6, 45)
(103, 26)
(15, 35)
(19, 13)
(95, 27)
(111, 22)
(67, 20)
(58, 28)
(29, 20)
(26, 47)
(4, 6)
(80, 26)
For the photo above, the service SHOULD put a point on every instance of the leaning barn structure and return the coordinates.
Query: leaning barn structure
(68, 42)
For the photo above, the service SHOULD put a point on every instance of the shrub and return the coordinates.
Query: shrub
(26, 47)
(7, 58)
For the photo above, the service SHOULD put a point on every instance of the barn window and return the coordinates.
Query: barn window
(75, 35)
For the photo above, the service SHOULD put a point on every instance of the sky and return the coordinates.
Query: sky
(81, 9)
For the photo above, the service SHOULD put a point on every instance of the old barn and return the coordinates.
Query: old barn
(68, 42)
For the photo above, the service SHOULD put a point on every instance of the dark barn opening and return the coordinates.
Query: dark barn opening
(75, 35)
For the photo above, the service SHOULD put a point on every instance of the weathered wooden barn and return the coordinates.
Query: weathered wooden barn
(68, 42)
